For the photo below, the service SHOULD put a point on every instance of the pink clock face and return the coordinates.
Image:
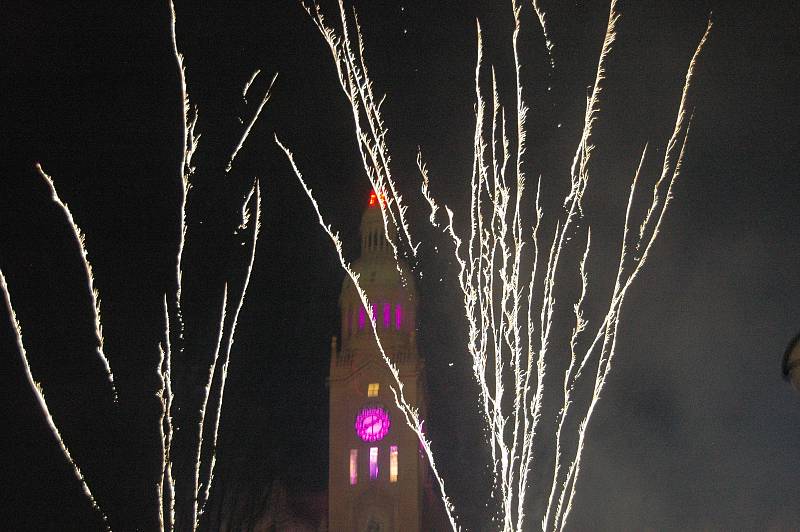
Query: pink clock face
(372, 423)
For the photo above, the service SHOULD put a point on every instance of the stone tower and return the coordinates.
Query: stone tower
(376, 475)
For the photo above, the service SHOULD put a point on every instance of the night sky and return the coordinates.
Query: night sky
(696, 429)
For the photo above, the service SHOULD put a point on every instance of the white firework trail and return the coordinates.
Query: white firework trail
(200, 496)
(166, 428)
(165, 485)
(94, 294)
(249, 83)
(510, 315)
(261, 105)
(39, 394)
(676, 149)
(189, 145)
(206, 393)
(161, 393)
(253, 196)
(368, 124)
(542, 16)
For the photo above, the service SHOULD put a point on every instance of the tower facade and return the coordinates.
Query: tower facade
(376, 475)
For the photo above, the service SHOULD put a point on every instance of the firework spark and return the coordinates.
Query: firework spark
(39, 394)
(510, 295)
(94, 294)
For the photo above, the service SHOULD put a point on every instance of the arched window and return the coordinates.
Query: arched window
(373, 463)
(398, 316)
(353, 466)
(393, 463)
(387, 314)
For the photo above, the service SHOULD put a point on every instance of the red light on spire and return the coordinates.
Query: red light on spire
(373, 199)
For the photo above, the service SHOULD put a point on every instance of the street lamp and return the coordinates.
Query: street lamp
(791, 362)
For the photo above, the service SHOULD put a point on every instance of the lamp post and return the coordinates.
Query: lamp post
(791, 362)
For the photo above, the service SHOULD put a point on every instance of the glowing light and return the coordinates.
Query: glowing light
(362, 317)
(398, 316)
(373, 463)
(387, 315)
(372, 389)
(393, 463)
(373, 199)
(372, 423)
(353, 466)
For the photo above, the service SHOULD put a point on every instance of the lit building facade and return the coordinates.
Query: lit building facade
(377, 478)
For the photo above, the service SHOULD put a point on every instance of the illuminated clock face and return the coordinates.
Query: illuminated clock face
(372, 423)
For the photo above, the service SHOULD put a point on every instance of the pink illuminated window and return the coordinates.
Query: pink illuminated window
(353, 466)
(393, 463)
(373, 463)
(387, 315)
(362, 317)
(398, 316)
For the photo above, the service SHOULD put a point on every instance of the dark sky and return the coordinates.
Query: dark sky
(696, 429)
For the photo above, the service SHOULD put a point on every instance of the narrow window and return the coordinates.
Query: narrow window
(373, 388)
(398, 316)
(362, 317)
(349, 321)
(393, 463)
(353, 466)
(373, 463)
(387, 315)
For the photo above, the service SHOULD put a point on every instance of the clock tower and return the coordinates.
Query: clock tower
(377, 474)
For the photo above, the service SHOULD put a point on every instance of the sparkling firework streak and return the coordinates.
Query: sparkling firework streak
(200, 497)
(39, 394)
(255, 197)
(206, 393)
(509, 303)
(94, 294)
(189, 143)
(250, 82)
(264, 101)
(175, 509)
(167, 426)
